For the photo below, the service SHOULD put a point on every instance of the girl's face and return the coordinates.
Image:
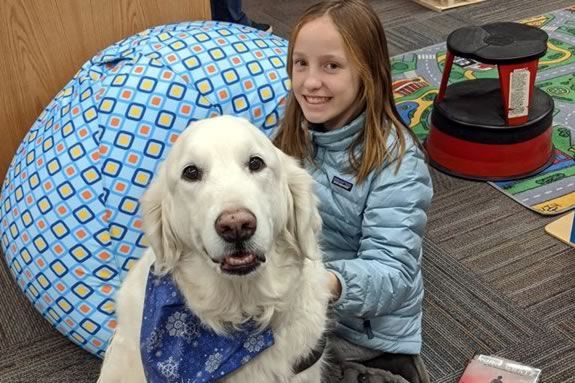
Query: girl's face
(324, 81)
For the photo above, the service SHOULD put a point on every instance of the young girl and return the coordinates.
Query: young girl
(373, 184)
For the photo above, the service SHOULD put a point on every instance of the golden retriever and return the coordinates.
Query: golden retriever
(233, 222)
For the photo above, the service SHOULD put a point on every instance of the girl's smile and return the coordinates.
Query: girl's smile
(316, 100)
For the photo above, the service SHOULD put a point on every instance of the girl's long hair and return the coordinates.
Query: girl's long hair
(365, 43)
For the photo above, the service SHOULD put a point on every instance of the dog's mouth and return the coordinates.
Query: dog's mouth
(241, 263)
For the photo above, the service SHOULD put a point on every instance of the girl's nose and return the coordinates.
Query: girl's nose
(312, 81)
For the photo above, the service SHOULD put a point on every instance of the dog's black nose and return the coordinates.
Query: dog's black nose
(236, 225)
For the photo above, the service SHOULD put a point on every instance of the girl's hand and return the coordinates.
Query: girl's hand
(334, 286)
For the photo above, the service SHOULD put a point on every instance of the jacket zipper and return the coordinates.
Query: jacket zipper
(367, 328)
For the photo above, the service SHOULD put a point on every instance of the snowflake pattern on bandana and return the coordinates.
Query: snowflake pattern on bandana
(176, 347)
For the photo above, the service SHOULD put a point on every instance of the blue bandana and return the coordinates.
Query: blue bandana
(176, 347)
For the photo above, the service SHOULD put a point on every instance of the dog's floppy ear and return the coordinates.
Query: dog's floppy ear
(304, 221)
(155, 207)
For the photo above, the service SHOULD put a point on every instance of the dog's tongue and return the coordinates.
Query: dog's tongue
(240, 259)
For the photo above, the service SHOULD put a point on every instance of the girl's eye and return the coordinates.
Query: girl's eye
(256, 164)
(332, 66)
(299, 62)
(192, 173)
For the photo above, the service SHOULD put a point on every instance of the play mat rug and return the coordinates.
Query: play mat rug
(417, 76)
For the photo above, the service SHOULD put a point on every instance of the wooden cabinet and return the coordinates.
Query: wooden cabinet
(44, 42)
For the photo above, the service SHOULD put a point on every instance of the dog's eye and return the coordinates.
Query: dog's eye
(192, 173)
(256, 164)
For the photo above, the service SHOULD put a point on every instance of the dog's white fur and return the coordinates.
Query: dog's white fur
(287, 292)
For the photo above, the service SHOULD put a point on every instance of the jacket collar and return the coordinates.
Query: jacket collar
(338, 139)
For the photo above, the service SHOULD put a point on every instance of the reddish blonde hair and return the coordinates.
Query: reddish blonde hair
(366, 46)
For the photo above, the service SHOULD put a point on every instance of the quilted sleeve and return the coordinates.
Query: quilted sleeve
(386, 274)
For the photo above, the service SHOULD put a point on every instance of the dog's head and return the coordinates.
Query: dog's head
(226, 194)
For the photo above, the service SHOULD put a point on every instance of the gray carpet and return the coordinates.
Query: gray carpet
(495, 282)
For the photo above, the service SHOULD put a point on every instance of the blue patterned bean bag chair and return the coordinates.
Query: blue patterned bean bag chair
(70, 223)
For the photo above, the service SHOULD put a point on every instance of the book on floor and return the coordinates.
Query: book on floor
(494, 369)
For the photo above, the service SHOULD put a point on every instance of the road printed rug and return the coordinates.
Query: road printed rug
(417, 76)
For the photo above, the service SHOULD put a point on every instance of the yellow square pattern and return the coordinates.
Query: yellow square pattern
(64, 305)
(33, 290)
(32, 136)
(124, 140)
(26, 257)
(135, 111)
(254, 68)
(53, 166)
(164, 36)
(67, 129)
(108, 307)
(81, 290)
(177, 45)
(240, 103)
(48, 144)
(78, 338)
(84, 214)
(204, 87)
(65, 190)
(14, 230)
(34, 181)
(40, 244)
(19, 194)
(17, 266)
(58, 268)
(165, 119)
(90, 114)
(230, 76)
(266, 93)
(201, 37)
(59, 229)
(91, 175)
(154, 149)
(119, 80)
(104, 273)
(79, 253)
(217, 53)
(44, 205)
(142, 178)
(276, 62)
(54, 315)
(116, 231)
(147, 84)
(106, 105)
(89, 326)
(111, 167)
(240, 47)
(191, 62)
(76, 152)
(129, 206)
(103, 237)
(43, 281)
(176, 91)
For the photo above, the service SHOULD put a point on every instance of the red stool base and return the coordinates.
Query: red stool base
(469, 136)
(489, 162)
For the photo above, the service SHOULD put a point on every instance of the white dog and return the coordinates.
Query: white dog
(232, 223)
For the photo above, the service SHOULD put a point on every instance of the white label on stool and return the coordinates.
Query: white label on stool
(519, 93)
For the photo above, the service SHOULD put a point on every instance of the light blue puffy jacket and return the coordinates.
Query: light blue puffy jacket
(372, 239)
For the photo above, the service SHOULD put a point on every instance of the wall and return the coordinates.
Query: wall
(44, 42)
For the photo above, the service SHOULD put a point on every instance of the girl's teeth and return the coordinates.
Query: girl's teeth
(316, 100)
